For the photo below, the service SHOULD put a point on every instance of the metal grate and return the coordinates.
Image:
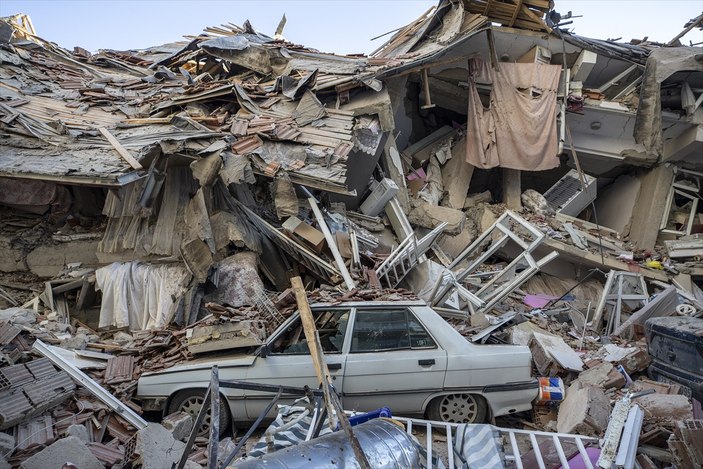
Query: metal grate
(563, 191)
(266, 306)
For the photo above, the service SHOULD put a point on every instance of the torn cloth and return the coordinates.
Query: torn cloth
(138, 295)
(518, 130)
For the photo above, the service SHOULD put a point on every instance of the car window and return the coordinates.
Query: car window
(388, 330)
(331, 326)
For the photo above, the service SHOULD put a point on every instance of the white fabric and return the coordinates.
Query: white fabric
(138, 295)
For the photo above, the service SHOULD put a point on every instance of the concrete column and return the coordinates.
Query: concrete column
(512, 188)
(650, 206)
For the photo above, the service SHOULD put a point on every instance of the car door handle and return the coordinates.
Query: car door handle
(334, 366)
(427, 362)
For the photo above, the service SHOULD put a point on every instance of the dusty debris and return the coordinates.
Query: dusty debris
(155, 203)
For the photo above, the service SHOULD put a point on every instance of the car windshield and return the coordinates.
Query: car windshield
(331, 326)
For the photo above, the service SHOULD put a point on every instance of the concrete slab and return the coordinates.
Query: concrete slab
(156, 448)
(70, 449)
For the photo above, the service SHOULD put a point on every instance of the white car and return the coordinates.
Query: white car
(402, 355)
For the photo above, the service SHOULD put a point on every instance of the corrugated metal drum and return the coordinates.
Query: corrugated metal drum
(385, 444)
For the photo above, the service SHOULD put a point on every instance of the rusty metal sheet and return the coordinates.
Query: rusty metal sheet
(7, 333)
(119, 369)
(39, 431)
(106, 454)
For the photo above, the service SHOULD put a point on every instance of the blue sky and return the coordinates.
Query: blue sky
(342, 26)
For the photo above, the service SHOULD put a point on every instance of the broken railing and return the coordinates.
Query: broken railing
(508, 228)
(407, 256)
(544, 449)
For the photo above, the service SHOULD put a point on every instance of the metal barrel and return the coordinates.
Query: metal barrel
(385, 444)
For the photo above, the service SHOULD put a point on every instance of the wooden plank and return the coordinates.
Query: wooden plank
(517, 10)
(120, 149)
(313, 341)
(332, 244)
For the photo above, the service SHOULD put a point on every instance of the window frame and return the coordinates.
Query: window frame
(408, 311)
(296, 319)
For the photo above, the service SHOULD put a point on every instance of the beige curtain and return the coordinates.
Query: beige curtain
(518, 130)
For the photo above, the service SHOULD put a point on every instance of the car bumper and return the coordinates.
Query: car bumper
(509, 398)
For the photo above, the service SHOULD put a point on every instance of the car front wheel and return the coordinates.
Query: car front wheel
(191, 400)
(458, 408)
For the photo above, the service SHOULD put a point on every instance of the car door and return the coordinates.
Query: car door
(392, 361)
(288, 361)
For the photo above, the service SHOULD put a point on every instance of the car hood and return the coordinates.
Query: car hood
(206, 364)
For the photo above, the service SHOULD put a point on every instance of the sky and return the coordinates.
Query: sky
(341, 26)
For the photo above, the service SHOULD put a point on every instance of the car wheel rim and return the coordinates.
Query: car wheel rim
(192, 406)
(458, 408)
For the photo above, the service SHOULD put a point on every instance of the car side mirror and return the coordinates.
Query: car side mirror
(263, 351)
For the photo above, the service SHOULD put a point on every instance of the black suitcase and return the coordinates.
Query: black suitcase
(676, 346)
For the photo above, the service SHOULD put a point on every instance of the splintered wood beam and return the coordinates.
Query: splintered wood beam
(532, 15)
(120, 149)
(348, 281)
(694, 22)
(314, 346)
(426, 89)
(515, 13)
(488, 7)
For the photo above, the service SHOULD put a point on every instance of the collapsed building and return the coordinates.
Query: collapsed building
(522, 180)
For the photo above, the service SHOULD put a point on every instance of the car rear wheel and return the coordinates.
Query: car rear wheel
(191, 400)
(458, 408)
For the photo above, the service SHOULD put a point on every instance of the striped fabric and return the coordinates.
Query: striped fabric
(290, 427)
(477, 446)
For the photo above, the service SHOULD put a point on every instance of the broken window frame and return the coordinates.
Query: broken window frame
(409, 316)
(295, 327)
(490, 293)
(408, 254)
(613, 297)
(686, 191)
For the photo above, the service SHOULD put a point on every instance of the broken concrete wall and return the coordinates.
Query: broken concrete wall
(650, 206)
(615, 204)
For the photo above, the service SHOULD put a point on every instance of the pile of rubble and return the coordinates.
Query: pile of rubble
(154, 205)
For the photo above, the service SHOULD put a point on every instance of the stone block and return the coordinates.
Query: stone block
(70, 449)
(665, 409)
(429, 216)
(690, 432)
(603, 375)
(156, 448)
(585, 411)
(80, 432)
(179, 424)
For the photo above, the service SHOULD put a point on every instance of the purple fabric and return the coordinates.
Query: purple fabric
(538, 301)
(577, 461)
